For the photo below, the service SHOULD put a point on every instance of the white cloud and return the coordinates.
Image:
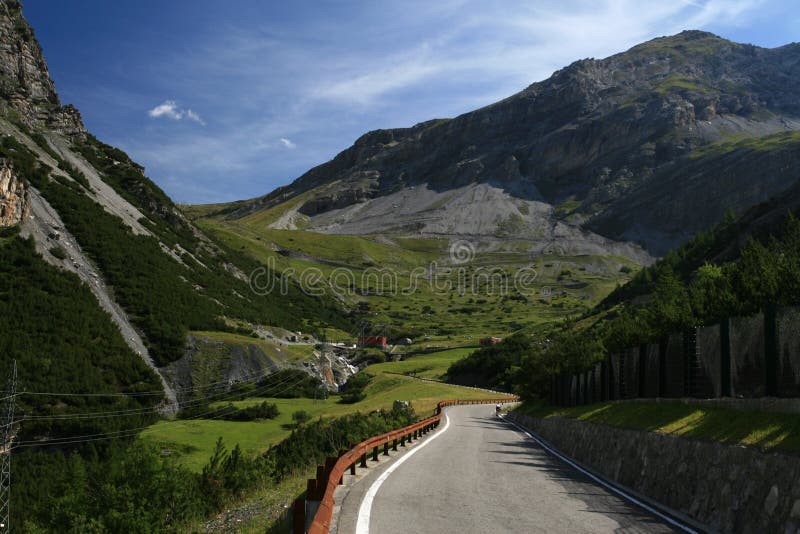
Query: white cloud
(170, 110)
(522, 45)
(319, 86)
(191, 115)
(166, 109)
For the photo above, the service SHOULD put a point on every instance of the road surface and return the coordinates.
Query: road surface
(481, 475)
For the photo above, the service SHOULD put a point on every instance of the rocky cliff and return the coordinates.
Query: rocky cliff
(14, 197)
(25, 84)
(642, 147)
(96, 216)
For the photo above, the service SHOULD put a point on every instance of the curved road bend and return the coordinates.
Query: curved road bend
(481, 475)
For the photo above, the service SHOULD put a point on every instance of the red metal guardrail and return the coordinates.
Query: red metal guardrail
(320, 489)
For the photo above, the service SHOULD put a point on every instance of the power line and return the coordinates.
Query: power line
(138, 411)
(249, 378)
(124, 433)
(132, 431)
(143, 393)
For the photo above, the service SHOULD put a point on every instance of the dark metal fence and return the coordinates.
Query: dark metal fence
(755, 356)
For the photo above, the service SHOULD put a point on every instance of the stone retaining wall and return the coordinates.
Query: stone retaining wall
(730, 488)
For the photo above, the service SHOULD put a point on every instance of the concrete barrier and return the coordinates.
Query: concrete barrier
(730, 488)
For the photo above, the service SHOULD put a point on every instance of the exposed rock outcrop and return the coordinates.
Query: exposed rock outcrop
(14, 196)
(620, 147)
(24, 79)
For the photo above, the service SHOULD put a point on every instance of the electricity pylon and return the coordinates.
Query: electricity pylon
(7, 431)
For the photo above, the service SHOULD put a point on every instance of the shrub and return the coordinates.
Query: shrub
(301, 417)
(353, 390)
(58, 252)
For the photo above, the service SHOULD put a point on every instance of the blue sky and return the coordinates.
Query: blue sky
(228, 100)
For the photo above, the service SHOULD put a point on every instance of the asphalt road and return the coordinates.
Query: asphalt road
(481, 475)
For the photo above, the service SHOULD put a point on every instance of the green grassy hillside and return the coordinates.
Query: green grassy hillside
(385, 284)
(192, 441)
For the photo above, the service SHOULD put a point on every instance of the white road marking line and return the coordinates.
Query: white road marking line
(364, 511)
(602, 482)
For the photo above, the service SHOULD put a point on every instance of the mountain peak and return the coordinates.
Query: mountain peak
(585, 149)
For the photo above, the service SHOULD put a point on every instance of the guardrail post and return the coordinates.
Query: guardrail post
(403, 440)
(375, 454)
(394, 444)
(330, 461)
(386, 449)
(363, 460)
(320, 475)
(299, 516)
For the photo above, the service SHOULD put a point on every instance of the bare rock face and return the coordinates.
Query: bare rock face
(24, 79)
(637, 147)
(14, 198)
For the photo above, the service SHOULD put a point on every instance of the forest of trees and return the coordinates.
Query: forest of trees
(164, 298)
(78, 465)
(131, 487)
(677, 292)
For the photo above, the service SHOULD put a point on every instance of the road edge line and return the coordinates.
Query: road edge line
(641, 501)
(365, 509)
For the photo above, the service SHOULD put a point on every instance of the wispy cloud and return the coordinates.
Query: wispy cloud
(169, 109)
(288, 96)
(525, 44)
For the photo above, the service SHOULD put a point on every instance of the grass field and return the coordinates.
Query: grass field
(433, 365)
(457, 308)
(193, 441)
(768, 431)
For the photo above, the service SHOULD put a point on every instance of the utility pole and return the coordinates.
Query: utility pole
(5, 453)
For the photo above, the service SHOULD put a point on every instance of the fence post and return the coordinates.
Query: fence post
(725, 357)
(586, 390)
(642, 371)
(611, 380)
(576, 390)
(771, 350)
(689, 358)
(662, 366)
(603, 383)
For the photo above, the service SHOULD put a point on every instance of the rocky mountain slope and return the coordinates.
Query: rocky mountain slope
(641, 149)
(93, 214)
